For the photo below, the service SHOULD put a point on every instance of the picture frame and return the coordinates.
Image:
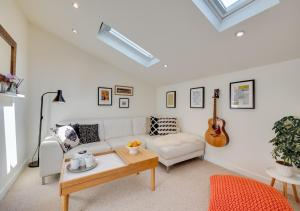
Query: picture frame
(171, 99)
(242, 94)
(11, 53)
(197, 97)
(123, 102)
(104, 96)
(123, 90)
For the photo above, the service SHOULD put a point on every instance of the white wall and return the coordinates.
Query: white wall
(13, 142)
(55, 64)
(277, 95)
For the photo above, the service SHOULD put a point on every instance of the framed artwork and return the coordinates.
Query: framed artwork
(171, 99)
(124, 90)
(104, 96)
(123, 102)
(197, 97)
(242, 94)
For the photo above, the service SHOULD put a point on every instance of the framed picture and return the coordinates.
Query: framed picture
(123, 102)
(171, 99)
(104, 96)
(124, 90)
(242, 94)
(197, 97)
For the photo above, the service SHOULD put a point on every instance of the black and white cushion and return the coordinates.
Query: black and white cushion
(162, 126)
(88, 133)
(68, 138)
(74, 126)
(153, 126)
(167, 126)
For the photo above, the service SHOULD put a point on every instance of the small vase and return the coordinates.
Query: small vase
(3, 87)
(12, 88)
(284, 170)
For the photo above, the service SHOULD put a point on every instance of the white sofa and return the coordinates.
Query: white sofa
(114, 133)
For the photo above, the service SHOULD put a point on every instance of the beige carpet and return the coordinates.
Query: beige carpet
(185, 188)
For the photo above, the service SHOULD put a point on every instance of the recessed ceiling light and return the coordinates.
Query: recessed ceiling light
(240, 34)
(165, 66)
(74, 31)
(75, 5)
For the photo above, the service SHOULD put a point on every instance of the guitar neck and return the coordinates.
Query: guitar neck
(215, 111)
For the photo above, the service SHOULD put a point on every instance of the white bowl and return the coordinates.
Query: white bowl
(133, 150)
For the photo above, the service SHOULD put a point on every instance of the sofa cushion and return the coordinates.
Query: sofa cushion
(94, 147)
(139, 125)
(115, 128)
(88, 133)
(67, 137)
(123, 141)
(163, 125)
(85, 122)
(153, 126)
(175, 145)
(166, 126)
(74, 126)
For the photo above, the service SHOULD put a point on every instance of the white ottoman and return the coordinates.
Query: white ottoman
(175, 148)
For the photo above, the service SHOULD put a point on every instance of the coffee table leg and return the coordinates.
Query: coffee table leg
(284, 189)
(64, 202)
(295, 193)
(273, 182)
(153, 179)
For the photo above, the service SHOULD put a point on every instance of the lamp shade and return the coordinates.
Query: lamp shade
(59, 98)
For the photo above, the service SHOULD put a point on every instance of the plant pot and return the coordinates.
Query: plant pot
(297, 171)
(284, 169)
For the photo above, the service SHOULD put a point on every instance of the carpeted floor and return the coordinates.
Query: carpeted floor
(184, 188)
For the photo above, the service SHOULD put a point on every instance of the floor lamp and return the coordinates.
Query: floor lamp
(58, 99)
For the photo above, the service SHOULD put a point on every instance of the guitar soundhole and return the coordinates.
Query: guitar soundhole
(216, 129)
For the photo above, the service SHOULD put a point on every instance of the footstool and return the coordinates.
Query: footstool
(234, 193)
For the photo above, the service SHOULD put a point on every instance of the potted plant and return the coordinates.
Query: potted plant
(286, 145)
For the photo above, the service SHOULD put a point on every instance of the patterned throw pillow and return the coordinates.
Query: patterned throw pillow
(163, 126)
(68, 138)
(74, 126)
(166, 126)
(88, 133)
(153, 126)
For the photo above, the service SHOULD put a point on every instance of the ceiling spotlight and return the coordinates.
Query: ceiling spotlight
(165, 66)
(240, 34)
(75, 5)
(74, 31)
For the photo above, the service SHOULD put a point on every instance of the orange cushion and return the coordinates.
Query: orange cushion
(233, 193)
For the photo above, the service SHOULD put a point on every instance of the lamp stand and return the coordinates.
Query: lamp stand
(36, 163)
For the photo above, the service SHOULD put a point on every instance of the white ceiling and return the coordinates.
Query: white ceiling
(176, 32)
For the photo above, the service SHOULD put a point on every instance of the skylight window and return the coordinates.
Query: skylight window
(118, 41)
(228, 3)
(224, 14)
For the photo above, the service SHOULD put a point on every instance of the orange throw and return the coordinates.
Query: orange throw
(233, 193)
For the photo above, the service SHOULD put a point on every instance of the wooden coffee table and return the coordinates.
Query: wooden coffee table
(111, 166)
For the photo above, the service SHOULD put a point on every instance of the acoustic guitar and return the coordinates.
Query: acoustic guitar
(216, 134)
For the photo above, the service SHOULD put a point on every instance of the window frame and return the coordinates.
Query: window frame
(222, 11)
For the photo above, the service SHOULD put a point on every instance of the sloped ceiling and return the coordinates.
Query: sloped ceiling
(176, 32)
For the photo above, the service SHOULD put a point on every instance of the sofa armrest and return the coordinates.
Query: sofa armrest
(51, 156)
